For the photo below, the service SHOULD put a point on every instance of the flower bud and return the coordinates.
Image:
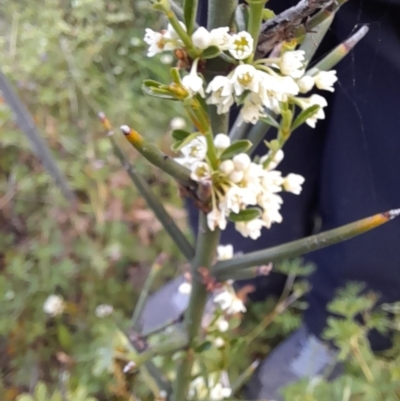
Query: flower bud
(241, 161)
(305, 83)
(219, 342)
(201, 38)
(293, 182)
(227, 167)
(222, 141)
(236, 176)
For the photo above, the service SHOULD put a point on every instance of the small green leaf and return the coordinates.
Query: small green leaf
(180, 144)
(176, 77)
(267, 14)
(237, 147)
(304, 115)
(211, 52)
(270, 121)
(150, 83)
(245, 215)
(64, 337)
(204, 346)
(189, 13)
(41, 392)
(180, 134)
(273, 145)
(156, 92)
(286, 121)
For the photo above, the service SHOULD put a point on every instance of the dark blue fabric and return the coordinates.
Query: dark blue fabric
(351, 162)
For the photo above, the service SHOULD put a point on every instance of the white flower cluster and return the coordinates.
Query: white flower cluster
(162, 41)
(228, 301)
(225, 304)
(54, 305)
(215, 389)
(103, 310)
(238, 183)
(265, 84)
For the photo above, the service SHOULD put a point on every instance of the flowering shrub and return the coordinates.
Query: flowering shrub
(82, 313)
(218, 67)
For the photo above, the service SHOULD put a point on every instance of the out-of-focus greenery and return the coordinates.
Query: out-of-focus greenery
(68, 61)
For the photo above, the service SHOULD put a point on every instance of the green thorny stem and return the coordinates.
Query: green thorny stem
(256, 8)
(207, 242)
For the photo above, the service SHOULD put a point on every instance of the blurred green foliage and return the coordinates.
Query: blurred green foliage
(69, 60)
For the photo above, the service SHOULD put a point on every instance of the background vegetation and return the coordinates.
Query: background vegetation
(70, 60)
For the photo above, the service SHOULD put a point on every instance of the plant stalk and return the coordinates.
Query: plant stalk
(207, 242)
(157, 158)
(300, 247)
(154, 203)
(341, 51)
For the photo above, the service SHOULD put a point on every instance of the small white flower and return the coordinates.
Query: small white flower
(185, 288)
(54, 305)
(229, 302)
(129, 366)
(177, 123)
(201, 38)
(220, 392)
(221, 94)
(305, 83)
(221, 84)
(272, 181)
(162, 394)
(222, 141)
(245, 77)
(275, 161)
(285, 86)
(227, 167)
(325, 80)
(236, 176)
(250, 228)
(271, 215)
(237, 198)
(215, 219)
(236, 307)
(224, 252)
(186, 161)
(219, 342)
(241, 45)
(305, 103)
(9, 295)
(224, 299)
(291, 63)
(293, 182)
(155, 40)
(103, 310)
(193, 82)
(222, 325)
(200, 171)
(269, 201)
(241, 161)
(251, 112)
(196, 148)
(220, 37)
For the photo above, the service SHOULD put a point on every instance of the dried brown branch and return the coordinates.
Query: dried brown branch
(293, 22)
